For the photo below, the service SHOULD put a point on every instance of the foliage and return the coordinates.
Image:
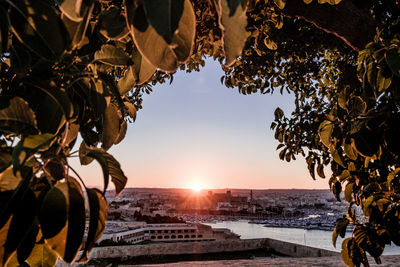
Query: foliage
(73, 67)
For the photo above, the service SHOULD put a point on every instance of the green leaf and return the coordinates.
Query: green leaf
(113, 24)
(36, 25)
(340, 229)
(233, 29)
(110, 167)
(153, 47)
(98, 208)
(325, 131)
(111, 126)
(16, 116)
(112, 55)
(164, 16)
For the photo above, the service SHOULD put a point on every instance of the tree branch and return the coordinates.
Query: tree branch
(351, 24)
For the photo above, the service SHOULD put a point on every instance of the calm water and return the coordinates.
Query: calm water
(312, 238)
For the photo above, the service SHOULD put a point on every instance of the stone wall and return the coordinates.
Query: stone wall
(286, 248)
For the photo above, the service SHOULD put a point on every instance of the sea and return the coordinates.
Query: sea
(312, 238)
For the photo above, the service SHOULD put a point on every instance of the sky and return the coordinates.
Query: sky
(198, 133)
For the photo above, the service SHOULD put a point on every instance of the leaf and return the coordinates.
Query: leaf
(98, 208)
(4, 30)
(280, 3)
(113, 24)
(348, 191)
(340, 229)
(3, 238)
(53, 212)
(337, 189)
(393, 60)
(131, 110)
(139, 73)
(357, 106)
(350, 151)
(366, 142)
(122, 132)
(9, 181)
(164, 16)
(346, 245)
(28, 146)
(16, 116)
(110, 167)
(112, 55)
(111, 126)
(36, 25)
(75, 10)
(5, 160)
(345, 175)
(320, 170)
(153, 47)
(337, 157)
(391, 176)
(50, 103)
(325, 131)
(62, 219)
(21, 223)
(83, 151)
(76, 30)
(270, 44)
(42, 256)
(233, 29)
(383, 79)
(278, 114)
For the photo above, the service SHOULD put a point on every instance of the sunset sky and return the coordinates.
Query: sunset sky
(197, 132)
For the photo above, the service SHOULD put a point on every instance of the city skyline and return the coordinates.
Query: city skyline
(196, 133)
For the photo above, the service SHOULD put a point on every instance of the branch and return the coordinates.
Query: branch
(346, 21)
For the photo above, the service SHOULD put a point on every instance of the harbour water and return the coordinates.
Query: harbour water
(312, 238)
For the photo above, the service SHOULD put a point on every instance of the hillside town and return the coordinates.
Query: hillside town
(165, 215)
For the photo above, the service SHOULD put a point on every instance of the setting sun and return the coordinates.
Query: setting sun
(197, 187)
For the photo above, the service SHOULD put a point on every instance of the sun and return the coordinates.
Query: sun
(196, 187)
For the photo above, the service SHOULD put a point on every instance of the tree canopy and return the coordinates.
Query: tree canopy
(81, 67)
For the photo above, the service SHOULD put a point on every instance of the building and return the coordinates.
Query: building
(137, 232)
